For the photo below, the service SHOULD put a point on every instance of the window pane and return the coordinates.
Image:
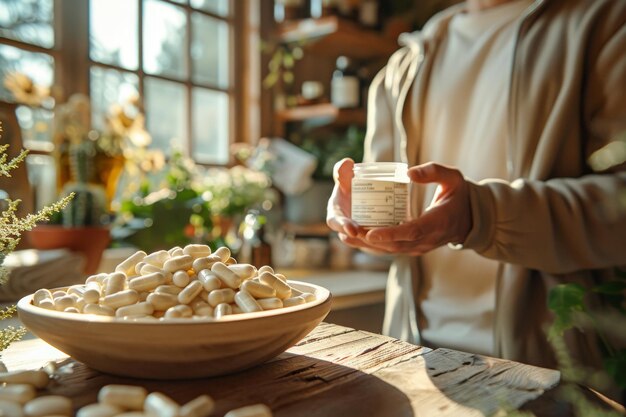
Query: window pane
(165, 39)
(36, 126)
(108, 87)
(39, 67)
(209, 51)
(113, 32)
(28, 21)
(166, 111)
(210, 126)
(218, 7)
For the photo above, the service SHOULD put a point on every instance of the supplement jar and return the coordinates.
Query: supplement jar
(380, 193)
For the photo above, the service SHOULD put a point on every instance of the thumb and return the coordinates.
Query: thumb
(343, 172)
(431, 172)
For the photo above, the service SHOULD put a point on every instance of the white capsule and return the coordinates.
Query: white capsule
(128, 265)
(126, 397)
(281, 277)
(178, 263)
(244, 271)
(99, 410)
(223, 253)
(235, 309)
(92, 292)
(58, 294)
(258, 289)
(222, 310)
(10, 409)
(209, 280)
(293, 301)
(41, 295)
(205, 263)
(98, 310)
(162, 301)
(115, 283)
(168, 289)
(181, 279)
(190, 292)
(157, 258)
(99, 278)
(283, 290)
(143, 308)
(246, 302)
(178, 311)
(197, 251)
(47, 304)
(175, 251)
(139, 266)
(201, 406)
(230, 261)
(121, 299)
(270, 303)
(256, 410)
(207, 311)
(146, 282)
(308, 297)
(228, 277)
(224, 295)
(49, 405)
(21, 393)
(72, 310)
(160, 405)
(265, 268)
(62, 303)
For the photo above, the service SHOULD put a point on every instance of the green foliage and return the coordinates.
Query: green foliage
(564, 300)
(331, 148)
(6, 165)
(615, 366)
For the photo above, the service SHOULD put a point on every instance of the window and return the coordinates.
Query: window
(178, 55)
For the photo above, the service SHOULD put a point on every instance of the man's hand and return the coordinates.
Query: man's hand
(448, 219)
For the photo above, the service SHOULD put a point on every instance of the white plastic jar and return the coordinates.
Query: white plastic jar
(380, 193)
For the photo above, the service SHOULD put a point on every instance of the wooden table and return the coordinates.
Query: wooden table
(335, 371)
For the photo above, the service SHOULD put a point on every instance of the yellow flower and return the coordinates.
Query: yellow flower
(24, 89)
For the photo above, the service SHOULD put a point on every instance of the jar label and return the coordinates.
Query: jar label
(379, 203)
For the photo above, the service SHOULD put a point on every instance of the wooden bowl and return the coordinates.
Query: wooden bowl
(178, 348)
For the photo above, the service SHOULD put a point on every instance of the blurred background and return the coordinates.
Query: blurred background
(180, 121)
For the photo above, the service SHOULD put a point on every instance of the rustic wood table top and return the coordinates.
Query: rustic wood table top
(336, 371)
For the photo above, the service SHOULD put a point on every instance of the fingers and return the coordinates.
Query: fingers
(344, 225)
(428, 225)
(431, 172)
(343, 173)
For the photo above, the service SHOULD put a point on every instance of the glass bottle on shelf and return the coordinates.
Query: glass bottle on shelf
(345, 85)
(369, 14)
(321, 8)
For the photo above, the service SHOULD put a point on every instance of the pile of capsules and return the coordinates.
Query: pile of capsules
(18, 398)
(189, 282)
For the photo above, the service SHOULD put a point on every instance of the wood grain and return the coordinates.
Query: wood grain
(334, 371)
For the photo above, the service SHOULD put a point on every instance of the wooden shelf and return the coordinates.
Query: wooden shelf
(323, 111)
(333, 36)
(316, 229)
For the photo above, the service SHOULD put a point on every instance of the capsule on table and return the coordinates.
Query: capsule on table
(204, 263)
(98, 310)
(230, 261)
(48, 405)
(222, 310)
(197, 250)
(168, 289)
(92, 292)
(38, 379)
(115, 283)
(270, 303)
(201, 406)
(178, 311)
(126, 397)
(147, 282)
(149, 269)
(283, 290)
(160, 405)
(224, 295)
(175, 251)
(256, 410)
(121, 299)
(246, 302)
(128, 265)
(162, 301)
(209, 280)
(143, 308)
(228, 277)
(190, 292)
(98, 410)
(265, 268)
(157, 258)
(244, 271)
(99, 278)
(258, 289)
(178, 263)
(223, 253)
(21, 393)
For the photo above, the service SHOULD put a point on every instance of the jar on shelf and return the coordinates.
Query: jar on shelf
(345, 85)
(285, 10)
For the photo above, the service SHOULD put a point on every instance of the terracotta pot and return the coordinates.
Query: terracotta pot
(89, 241)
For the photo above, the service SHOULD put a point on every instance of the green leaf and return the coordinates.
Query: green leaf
(615, 366)
(564, 300)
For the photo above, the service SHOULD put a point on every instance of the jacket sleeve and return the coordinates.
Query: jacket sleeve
(565, 224)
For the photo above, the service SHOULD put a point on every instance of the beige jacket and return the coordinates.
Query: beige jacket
(552, 220)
